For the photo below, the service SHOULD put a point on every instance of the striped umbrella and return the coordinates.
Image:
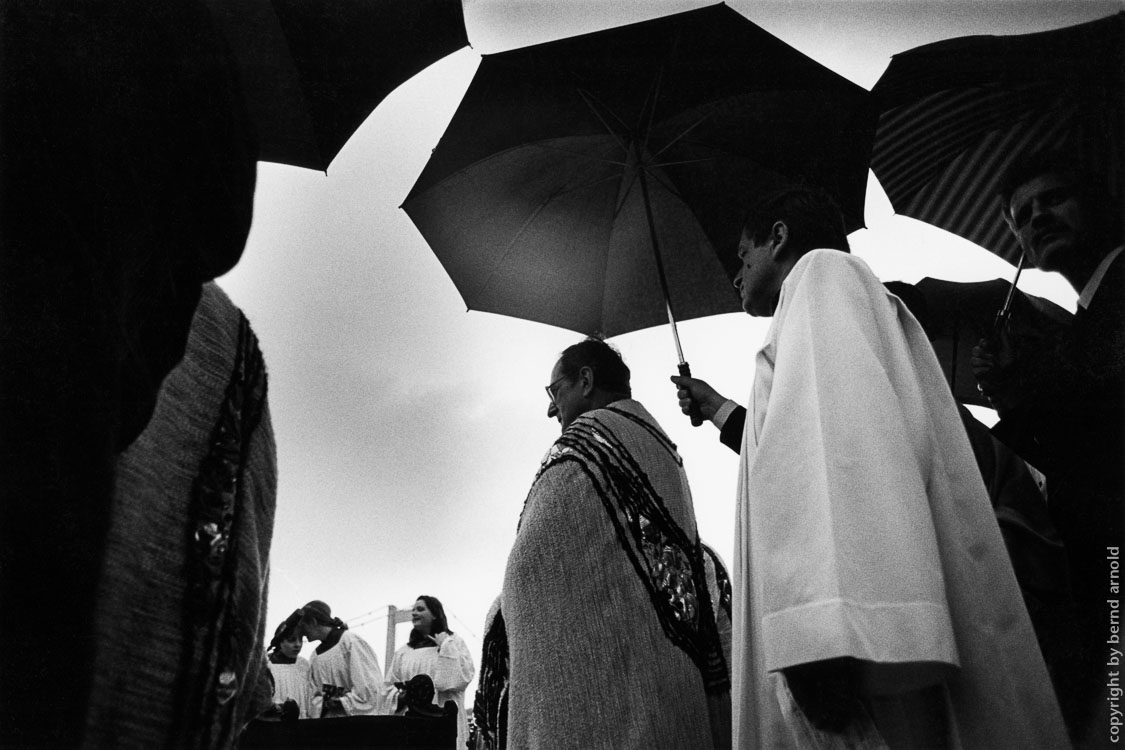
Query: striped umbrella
(954, 115)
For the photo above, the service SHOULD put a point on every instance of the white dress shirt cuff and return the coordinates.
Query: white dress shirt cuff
(723, 413)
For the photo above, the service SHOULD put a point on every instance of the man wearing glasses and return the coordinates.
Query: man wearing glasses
(611, 630)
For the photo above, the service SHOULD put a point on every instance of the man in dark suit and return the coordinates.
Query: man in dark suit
(1062, 406)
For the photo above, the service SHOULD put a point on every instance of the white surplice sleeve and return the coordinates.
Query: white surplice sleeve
(840, 526)
(455, 667)
(367, 693)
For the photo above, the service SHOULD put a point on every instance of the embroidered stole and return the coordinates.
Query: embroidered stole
(668, 563)
(209, 672)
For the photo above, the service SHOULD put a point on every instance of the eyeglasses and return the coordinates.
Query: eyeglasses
(553, 388)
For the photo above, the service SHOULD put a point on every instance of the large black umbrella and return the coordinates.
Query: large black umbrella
(313, 70)
(954, 115)
(957, 315)
(591, 183)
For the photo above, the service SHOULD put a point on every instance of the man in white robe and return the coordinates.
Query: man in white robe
(873, 596)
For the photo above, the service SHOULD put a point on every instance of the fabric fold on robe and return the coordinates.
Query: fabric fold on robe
(349, 671)
(864, 529)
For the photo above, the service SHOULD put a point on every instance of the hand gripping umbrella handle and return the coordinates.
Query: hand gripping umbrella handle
(693, 412)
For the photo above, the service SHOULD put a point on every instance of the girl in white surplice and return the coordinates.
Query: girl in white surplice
(435, 650)
(289, 669)
(344, 674)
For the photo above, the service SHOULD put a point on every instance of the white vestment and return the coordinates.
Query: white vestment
(864, 529)
(606, 551)
(450, 666)
(352, 669)
(291, 682)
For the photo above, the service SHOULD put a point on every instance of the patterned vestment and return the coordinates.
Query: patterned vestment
(611, 633)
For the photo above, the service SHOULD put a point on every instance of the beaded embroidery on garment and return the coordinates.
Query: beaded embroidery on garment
(490, 706)
(666, 560)
(212, 657)
(722, 579)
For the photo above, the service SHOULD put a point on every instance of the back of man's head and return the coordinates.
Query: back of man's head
(811, 214)
(611, 374)
(1089, 187)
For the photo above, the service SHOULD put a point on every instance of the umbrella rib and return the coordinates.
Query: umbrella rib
(575, 188)
(511, 244)
(584, 155)
(590, 102)
(681, 161)
(623, 194)
(650, 107)
(666, 184)
(652, 170)
(687, 130)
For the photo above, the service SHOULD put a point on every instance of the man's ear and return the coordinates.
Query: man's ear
(1008, 220)
(779, 236)
(586, 380)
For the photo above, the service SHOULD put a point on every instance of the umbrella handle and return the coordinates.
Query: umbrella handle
(693, 412)
(1005, 312)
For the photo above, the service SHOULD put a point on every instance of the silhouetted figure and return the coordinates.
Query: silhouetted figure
(127, 172)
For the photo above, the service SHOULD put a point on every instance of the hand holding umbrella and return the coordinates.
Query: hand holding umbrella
(993, 363)
(697, 397)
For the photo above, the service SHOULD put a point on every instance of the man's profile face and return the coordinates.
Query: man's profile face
(568, 403)
(1049, 222)
(757, 281)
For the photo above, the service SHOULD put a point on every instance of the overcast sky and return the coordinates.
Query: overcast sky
(408, 429)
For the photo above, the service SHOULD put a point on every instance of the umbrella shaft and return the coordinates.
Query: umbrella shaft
(1006, 310)
(656, 254)
(675, 334)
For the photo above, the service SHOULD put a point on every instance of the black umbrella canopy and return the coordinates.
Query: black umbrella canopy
(313, 70)
(535, 198)
(955, 114)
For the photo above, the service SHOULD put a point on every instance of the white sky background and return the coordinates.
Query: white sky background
(409, 430)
